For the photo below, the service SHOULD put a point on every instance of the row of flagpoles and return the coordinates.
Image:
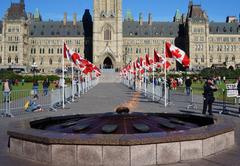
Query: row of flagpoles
(76, 60)
(143, 65)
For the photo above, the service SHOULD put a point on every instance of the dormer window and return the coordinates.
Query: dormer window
(224, 29)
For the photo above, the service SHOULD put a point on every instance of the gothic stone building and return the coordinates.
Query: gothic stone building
(111, 41)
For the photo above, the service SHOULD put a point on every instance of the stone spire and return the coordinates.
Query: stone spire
(140, 18)
(177, 17)
(129, 16)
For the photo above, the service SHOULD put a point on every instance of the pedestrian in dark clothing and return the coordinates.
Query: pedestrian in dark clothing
(208, 96)
(238, 86)
(188, 84)
(45, 87)
(35, 87)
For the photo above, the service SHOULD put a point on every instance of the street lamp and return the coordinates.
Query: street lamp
(34, 69)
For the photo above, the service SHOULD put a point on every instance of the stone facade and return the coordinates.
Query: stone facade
(111, 42)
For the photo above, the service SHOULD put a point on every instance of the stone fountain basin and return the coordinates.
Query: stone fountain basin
(56, 148)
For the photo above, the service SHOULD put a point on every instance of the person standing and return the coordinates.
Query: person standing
(188, 84)
(35, 87)
(238, 88)
(6, 90)
(208, 96)
(23, 81)
(45, 87)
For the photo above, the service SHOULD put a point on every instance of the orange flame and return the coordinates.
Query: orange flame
(133, 102)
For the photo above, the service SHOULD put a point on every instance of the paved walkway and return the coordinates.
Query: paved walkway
(105, 97)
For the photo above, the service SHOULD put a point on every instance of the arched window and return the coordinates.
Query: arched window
(52, 50)
(0, 59)
(233, 58)
(33, 60)
(16, 59)
(107, 34)
(16, 48)
(9, 59)
(50, 61)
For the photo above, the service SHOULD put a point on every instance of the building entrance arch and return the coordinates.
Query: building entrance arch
(107, 63)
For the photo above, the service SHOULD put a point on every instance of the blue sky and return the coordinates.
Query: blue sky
(162, 10)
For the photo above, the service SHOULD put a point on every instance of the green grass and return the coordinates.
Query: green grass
(23, 91)
(197, 88)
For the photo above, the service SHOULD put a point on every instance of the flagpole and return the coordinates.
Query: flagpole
(63, 76)
(78, 83)
(72, 82)
(145, 79)
(153, 83)
(165, 75)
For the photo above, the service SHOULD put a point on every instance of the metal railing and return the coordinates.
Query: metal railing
(14, 102)
(157, 95)
(192, 101)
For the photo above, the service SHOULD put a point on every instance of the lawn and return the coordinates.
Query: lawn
(21, 91)
(197, 88)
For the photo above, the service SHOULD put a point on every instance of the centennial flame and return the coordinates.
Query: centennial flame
(132, 103)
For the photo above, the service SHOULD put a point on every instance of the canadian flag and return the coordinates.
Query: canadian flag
(76, 58)
(178, 54)
(66, 52)
(161, 60)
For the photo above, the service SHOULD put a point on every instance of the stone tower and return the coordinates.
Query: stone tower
(107, 33)
(197, 37)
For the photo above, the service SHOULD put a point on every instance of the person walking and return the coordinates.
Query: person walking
(208, 96)
(188, 84)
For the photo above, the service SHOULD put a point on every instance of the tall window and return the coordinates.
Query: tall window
(107, 34)
(16, 59)
(233, 58)
(219, 58)
(0, 60)
(9, 59)
(50, 61)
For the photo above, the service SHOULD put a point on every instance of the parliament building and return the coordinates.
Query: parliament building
(111, 40)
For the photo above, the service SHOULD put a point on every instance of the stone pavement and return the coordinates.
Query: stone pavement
(105, 97)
